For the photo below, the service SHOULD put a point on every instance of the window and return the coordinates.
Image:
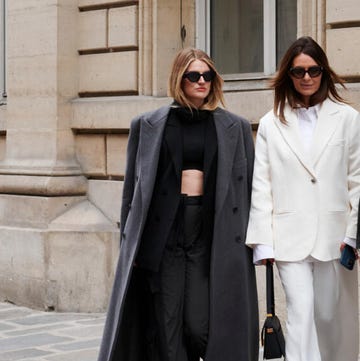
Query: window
(246, 37)
(2, 52)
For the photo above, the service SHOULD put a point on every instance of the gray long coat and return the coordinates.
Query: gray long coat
(233, 333)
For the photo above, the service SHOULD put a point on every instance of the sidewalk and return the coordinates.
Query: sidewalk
(48, 336)
(28, 335)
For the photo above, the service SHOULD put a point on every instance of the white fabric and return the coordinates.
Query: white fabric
(322, 307)
(262, 251)
(306, 203)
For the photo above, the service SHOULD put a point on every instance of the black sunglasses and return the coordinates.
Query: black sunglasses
(194, 76)
(299, 72)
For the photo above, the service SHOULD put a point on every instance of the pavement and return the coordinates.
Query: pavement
(31, 335)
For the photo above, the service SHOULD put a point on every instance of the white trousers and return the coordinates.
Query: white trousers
(322, 311)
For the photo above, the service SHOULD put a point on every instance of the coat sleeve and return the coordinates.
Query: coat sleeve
(354, 173)
(130, 171)
(260, 221)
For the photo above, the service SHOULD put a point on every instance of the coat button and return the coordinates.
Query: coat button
(240, 178)
(238, 239)
(235, 210)
(313, 180)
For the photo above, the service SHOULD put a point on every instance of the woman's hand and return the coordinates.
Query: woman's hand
(343, 244)
(264, 261)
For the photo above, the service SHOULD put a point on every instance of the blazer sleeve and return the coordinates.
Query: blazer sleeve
(354, 172)
(130, 171)
(260, 222)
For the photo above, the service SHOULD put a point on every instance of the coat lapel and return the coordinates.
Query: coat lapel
(151, 134)
(227, 140)
(326, 126)
(291, 135)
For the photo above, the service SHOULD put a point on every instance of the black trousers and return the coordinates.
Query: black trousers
(180, 291)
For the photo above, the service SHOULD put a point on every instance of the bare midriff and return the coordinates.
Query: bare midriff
(192, 182)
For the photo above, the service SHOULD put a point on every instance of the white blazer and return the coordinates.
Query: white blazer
(306, 203)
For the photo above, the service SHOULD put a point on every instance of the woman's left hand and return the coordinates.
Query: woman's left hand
(343, 244)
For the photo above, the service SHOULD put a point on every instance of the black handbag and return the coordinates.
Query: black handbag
(272, 337)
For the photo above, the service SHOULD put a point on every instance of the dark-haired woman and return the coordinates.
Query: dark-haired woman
(185, 285)
(306, 188)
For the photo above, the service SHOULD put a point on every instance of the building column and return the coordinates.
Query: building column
(57, 248)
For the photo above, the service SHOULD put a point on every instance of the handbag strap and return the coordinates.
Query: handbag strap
(270, 302)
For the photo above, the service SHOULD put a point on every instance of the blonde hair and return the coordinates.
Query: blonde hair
(180, 64)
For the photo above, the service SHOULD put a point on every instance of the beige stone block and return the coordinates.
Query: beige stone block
(342, 11)
(31, 211)
(116, 145)
(90, 152)
(106, 195)
(37, 145)
(250, 105)
(98, 2)
(31, 112)
(123, 26)
(352, 94)
(32, 29)
(112, 112)
(3, 117)
(108, 72)
(341, 46)
(32, 76)
(2, 147)
(82, 265)
(92, 29)
(63, 270)
(19, 257)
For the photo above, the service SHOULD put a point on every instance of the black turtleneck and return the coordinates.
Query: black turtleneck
(193, 123)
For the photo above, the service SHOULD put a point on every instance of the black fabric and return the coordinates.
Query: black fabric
(233, 295)
(181, 288)
(272, 336)
(166, 194)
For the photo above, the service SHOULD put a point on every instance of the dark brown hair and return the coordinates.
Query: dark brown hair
(283, 85)
(180, 64)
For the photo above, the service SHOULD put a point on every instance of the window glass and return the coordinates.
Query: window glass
(237, 29)
(237, 35)
(286, 28)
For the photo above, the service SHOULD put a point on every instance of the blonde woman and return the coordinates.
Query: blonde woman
(185, 285)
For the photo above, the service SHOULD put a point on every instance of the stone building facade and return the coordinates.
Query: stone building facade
(73, 73)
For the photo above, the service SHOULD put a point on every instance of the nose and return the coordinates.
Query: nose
(307, 76)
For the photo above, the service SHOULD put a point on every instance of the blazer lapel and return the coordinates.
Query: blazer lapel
(227, 140)
(291, 135)
(326, 126)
